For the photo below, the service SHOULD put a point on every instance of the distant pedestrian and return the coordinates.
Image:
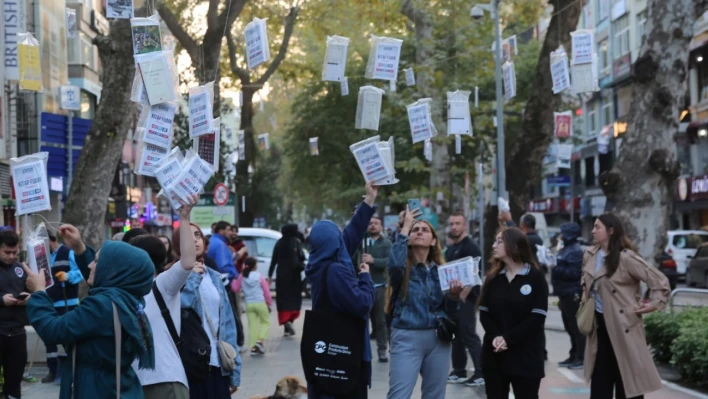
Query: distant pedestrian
(421, 311)
(13, 314)
(617, 359)
(258, 304)
(287, 263)
(378, 249)
(565, 277)
(513, 305)
(467, 340)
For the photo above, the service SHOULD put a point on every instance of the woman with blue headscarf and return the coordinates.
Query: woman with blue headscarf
(351, 290)
(119, 275)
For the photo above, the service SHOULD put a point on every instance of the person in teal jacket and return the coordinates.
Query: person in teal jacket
(118, 274)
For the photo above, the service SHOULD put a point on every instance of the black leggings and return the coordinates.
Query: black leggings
(497, 386)
(606, 377)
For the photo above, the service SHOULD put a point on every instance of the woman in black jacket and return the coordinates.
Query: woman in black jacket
(289, 258)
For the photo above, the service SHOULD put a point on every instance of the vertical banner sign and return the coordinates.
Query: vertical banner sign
(509, 75)
(257, 49)
(565, 153)
(31, 187)
(14, 22)
(383, 58)
(70, 98)
(71, 30)
(563, 124)
(30, 64)
(335, 62)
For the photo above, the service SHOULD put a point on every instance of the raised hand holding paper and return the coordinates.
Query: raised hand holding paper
(559, 70)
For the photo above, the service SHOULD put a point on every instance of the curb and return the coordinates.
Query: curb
(687, 391)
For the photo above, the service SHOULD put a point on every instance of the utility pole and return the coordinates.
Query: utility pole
(501, 159)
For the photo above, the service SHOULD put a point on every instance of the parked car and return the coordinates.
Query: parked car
(697, 273)
(682, 246)
(667, 265)
(260, 244)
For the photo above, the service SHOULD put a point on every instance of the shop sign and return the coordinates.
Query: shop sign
(622, 66)
(548, 205)
(163, 219)
(699, 188)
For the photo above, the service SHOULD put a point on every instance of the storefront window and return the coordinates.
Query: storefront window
(702, 68)
(607, 112)
(603, 56)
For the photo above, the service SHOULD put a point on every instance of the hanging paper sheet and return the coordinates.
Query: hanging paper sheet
(335, 62)
(119, 9)
(170, 167)
(465, 270)
(29, 62)
(428, 150)
(583, 41)
(158, 121)
(386, 149)
(420, 120)
(563, 124)
(195, 175)
(314, 146)
(257, 46)
(585, 78)
(368, 157)
(241, 145)
(565, 153)
(476, 97)
(207, 146)
(559, 70)
(146, 35)
(459, 120)
(71, 31)
(344, 86)
(29, 179)
(383, 58)
(392, 86)
(509, 75)
(158, 79)
(368, 108)
(458, 144)
(410, 77)
(150, 156)
(264, 141)
(201, 100)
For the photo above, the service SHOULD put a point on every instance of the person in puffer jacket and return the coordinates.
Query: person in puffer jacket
(258, 304)
(565, 278)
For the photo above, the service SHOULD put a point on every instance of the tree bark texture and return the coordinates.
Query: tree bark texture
(415, 11)
(640, 185)
(88, 197)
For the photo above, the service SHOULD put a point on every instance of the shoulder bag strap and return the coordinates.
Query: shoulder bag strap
(214, 331)
(166, 315)
(73, 368)
(117, 329)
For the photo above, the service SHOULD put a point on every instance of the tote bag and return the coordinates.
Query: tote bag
(332, 347)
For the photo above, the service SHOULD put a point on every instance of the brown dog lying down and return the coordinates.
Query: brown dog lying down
(287, 388)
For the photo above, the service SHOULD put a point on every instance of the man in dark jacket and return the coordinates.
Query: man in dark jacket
(13, 314)
(378, 248)
(565, 278)
(467, 339)
(528, 226)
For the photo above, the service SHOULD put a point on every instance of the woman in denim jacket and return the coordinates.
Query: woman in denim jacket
(418, 302)
(205, 285)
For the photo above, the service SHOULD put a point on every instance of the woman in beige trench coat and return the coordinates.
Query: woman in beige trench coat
(616, 354)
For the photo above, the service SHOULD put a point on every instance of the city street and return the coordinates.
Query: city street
(259, 374)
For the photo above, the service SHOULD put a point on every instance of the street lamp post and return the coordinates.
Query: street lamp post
(477, 12)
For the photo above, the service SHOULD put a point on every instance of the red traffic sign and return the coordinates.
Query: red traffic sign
(221, 194)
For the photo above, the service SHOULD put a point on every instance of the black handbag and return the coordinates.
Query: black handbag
(447, 329)
(192, 342)
(332, 347)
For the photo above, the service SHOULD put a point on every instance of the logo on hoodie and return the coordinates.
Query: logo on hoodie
(19, 272)
(320, 346)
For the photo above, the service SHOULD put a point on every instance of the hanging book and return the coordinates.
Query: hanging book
(582, 46)
(386, 149)
(207, 146)
(509, 75)
(565, 153)
(368, 156)
(157, 78)
(201, 100)
(257, 46)
(384, 58)
(420, 120)
(335, 62)
(149, 156)
(459, 120)
(559, 70)
(368, 109)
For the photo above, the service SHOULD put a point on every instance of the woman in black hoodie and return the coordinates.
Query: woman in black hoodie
(289, 258)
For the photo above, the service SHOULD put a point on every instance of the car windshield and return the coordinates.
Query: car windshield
(259, 246)
(689, 241)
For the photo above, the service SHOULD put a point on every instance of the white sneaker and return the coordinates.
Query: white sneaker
(477, 382)
(454, 379)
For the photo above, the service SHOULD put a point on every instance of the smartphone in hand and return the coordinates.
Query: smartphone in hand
(21, 297)
(413, 204)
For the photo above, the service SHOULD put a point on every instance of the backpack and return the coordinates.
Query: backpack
(192, 342)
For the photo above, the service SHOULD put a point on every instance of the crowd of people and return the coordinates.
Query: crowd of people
(162, 316)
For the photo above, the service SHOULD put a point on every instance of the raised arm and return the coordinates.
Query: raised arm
(355, 230)
(83, 255)
(353, 294)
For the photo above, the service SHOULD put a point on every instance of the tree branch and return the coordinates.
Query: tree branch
(230, 13)
(289, 27)
(189, 44)
(242, 74)
(213, 12)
